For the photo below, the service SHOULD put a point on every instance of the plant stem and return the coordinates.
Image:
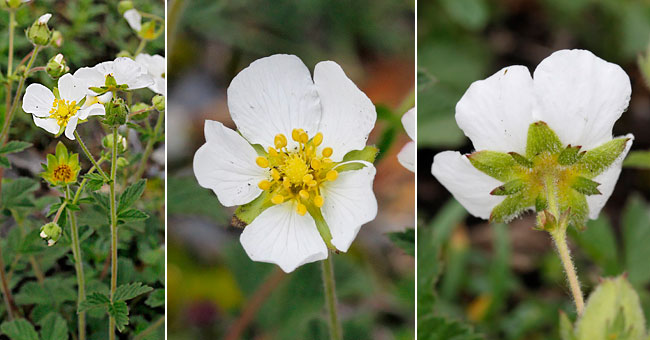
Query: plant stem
(151, 328)
(4, 134)
(141, 46)
(12, 23)
(149, 148)
(89, 155)
(5, 289)
(76, 253)
(111, 323)
(330, 299)
(77, 195)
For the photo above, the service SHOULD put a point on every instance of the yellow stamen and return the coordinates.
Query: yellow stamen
(295, 134)
(332, 175)
(62, 111)
(327, 152)
(280, 141)
(318, 201)
(264, 185)
(304, 194)
(317, 139)
(302, 209)
(312, 183)
(277, 199)
(262, 162)
(304, 138)
(315, 164)
(275, 174)
(307, 178)
(272, 152)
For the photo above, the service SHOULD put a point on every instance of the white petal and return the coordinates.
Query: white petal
(72, 125)
(349, 202)
(348, 114)
(406, 156)
(159, 85)
(43, 19)
(279, 235)
(92, 77)
(580, 96)
(495, 112)
(48, 124)
(128, 71)
(155, 65)
(72, 88)
(134, 19)
(38, 100)
(468, 185)
(92, 110)
(409, 121)
(105, 98)
(226, 164)
(274, 95)
(607, 181)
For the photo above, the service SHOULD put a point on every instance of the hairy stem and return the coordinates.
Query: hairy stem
(111, 323)
(149, 148)
(78, 264)
(330, 299)
(89, 155)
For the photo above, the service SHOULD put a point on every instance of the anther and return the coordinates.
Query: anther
(272, 152)
(304, 194)
(327, 152)
(327, 161)
(332, 175)
(315, 164)
(303, 137)
(295, 134)
(302, 209)
(317, 139)
(280, 141)
(264, 185)
(277, 199)
(307, 178)
(275, 174)
(313, 183)
(262, 162)
(286, 182)
(318, 201)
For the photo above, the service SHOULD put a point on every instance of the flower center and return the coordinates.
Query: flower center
(62, 173)
(63, 110)
(297, 174)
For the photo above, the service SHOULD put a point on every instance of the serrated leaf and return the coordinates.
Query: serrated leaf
(120, 312)
(131, 194)
(130, 215)
(432, 327)
(94, 300)
(129, 291)
(156, 298)
(4, 162)
(54, 327)
(405, 240)
(19, 329)
(14, 146)
(102, 200)
(94, 181)
(14, 193)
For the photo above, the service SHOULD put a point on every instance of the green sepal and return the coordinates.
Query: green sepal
(521, 160)
(321, 225)
(498, 165)
(245, 214)
(566, 328)
(612, 311)
(570, 155)
(260, 150)
(510, 207)
(540, 203)
(596, 160)
(509, 188)
(540, 139)
(368, 154)
(579, 209)
(99, 90)
(586, 186)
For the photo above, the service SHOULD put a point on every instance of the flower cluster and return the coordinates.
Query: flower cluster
(299, 167)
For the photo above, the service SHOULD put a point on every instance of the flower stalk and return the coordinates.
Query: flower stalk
(76, 253)
(89, 155)
(111, 325)
(330, 299)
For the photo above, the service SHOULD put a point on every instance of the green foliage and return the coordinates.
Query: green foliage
(405, 240)
(130, 195)
(19, 329)
(637, 159)
(120, 312)
(131, 290)
(54, 327)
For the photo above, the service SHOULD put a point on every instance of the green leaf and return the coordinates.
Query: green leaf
(4, 162)
(471, 14)
(540, 139)
(19, 329)
(131, 194)
(54, 327)
(14, 146)
(497, 165)
(405, 240)
(102, 200)
(93, 301)
(245, 214)
(637, 159)
(129, 291)
(130, 215)
(566, 327)
(186, 197)
(599, 243)
(600, 158)
(94, 181)
(586, 186)
(636, 233)
(431, 327)
(15, 192)
(120, 312)
(156, 298)
(613, 298)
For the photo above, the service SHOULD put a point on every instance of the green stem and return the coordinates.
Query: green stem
(12, 24)
(4, 134)
(5, 288)
(330, 299)
(76, 253)
(111, 325)
(89, 155)
(77, 195)
(149, 148)
(141, 46)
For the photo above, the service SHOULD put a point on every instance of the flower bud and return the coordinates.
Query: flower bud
(158, 102)
(57, 39)
(13, 4)
(122, 145)
(51, 232)
(124, 6)
(56, 66)
(122, 162)
(116, 112)
(39, 34)
(148, 31)
(110, 81)
(123, 53)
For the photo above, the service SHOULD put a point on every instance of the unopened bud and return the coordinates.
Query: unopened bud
(38, 33)
(148, 31)
(125, 54)
(124, 6)
(116, 112)
(51, 232)
(122, 162)
(158, 102)
(57, 39)
(122, 145)
(110, 81)
(56, 66)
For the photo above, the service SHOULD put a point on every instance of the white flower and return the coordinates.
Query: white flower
(406, 156)
(578, 95)
(43, 19)
(155, 64)
(307, 126)
(56, 115)
(124, 70)
(134, 19)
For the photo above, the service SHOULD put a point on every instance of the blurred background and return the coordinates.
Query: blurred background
(215, 290)
(505, 281)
